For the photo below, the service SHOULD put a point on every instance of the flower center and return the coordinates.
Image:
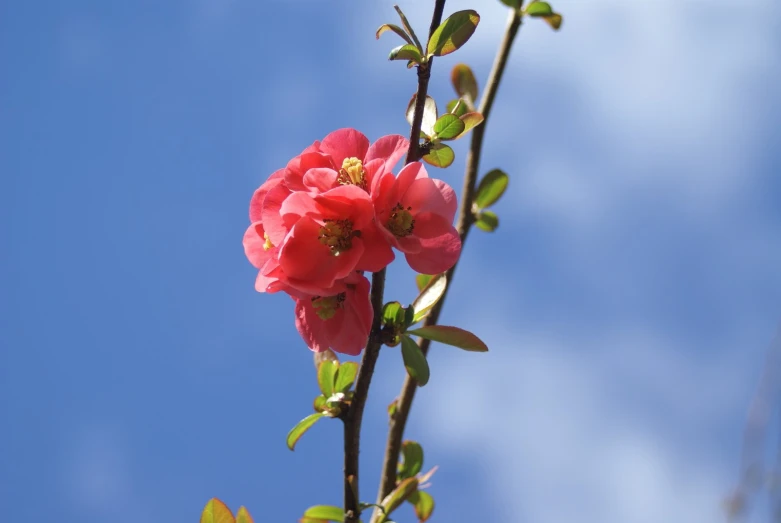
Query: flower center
(267, 245)
(338, 235)
(401, 223)
(326, 307)
(352, 173)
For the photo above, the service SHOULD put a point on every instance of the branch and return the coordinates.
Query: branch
(354, 415)
(465, 220)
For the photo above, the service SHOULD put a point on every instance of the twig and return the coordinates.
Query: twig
(465, 220)
(354, 415)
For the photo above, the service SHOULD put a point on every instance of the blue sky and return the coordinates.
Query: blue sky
(628, 296)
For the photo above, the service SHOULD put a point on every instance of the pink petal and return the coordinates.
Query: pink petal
(320, 179)
(310, 326)
(440, 244)
(423, 195)
(298, 166)
(345, 143)
(390, 149)
(254, 242)
(273, 222)
(377, 252)
(256, 204)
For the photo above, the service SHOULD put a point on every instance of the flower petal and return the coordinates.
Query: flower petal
(440, 244)
(390, 149)
(345, 143)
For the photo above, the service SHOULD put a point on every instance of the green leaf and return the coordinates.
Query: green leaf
(421, 280)
(454, 336)
(302, 426)
(408, 27)
(406, 52)
(491, 188)
(429, 114)
(471, 120)
(464, 82)
(345, 376)
(423, 503)
(326, 376)
(554, 20)
(487, 221)
(448, 126)
(319, 403)
(412, 459)
(440, 155)
(243, 516)
(396, 29)
(515, 4)
(458, 107)
(398, 496)
(393, 313)
(453, 33)
(538, 9)
(312, 520)
(326, 512)
(414, 360)
(429, 296)
(393, 407)
(216, 511)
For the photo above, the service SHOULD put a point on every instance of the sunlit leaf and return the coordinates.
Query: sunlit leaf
(393, 407)
(396, 29)
(325, 512)
(421, 280)
(412, 459)
(458, 107)
(429, 114)
(453, 33)
(406, 52)
(302, 426)
(414, 360)
(487, 221)
(440, 155)
(454, 336)
(393, 313)
(464, 82)
(538, 9)
(471, 120)
(423, 504)
(399, 495)
(243, 516)
(345, 376)
(554, 20)
(491, 188)
(408, 27)
(326, 375)
(448, 126)
(216, 511)
(429, 296)
(319, 403)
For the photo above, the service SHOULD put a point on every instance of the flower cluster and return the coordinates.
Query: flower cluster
(336, 210)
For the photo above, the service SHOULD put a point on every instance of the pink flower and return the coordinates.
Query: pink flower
(416, 214)
(340, 321)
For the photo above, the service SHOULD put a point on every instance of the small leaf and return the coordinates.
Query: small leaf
(396, 29)
(421, 280)
(554, 20)
(393, 313)
(471, 120)
(393, 407)
(398, 496)
(414, 360)
(216, 511)
(325, 512)
(429, 114)
(464, 82)
(440, 155)
(305, 424)
(454, 336)
(448, 126)
(412, 459)
(319, 403)
(406, 52)
(408, 27)
(538, 9)
(429, 296)
(453, 33)
(458, 107)
(423, 503)
(326, 355)
(312, 520)
(243, 516)
(487, 221)
(326, 375)
(491, 188)
(345, 376)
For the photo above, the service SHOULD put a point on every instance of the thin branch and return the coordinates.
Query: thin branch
(398, 421)
(354, 415)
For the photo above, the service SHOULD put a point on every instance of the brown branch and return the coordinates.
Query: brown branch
(354, 415)
(465, 220)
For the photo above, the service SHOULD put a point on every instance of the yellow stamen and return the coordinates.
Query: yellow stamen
(338, 235)
(326, 307)
(352, 173)
(267, 245)
(401, 223)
